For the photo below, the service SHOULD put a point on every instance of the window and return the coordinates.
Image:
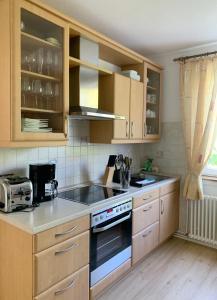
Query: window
(211, 168)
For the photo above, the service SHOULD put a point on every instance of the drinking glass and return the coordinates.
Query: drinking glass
(26, 89)
(49, 62)
(49, 93)
(56, 63)
(38, 91)
(40, 60)
(56, 94)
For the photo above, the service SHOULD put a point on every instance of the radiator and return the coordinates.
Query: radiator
(202, 220)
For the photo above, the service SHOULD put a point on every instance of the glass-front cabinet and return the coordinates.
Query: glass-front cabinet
(152, 103)
(41, 75)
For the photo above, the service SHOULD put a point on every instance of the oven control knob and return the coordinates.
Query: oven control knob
(121, 208)
(117, 210)
(101, 217)
(96, 219)
(125, 207)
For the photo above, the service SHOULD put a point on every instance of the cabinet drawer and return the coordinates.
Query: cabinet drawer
(53, 236)
(145, 197)
(58, 262)
(168, 188)
(145, 241)
(74, 287)
(145, 215)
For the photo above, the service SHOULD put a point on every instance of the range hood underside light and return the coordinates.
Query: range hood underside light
(88, 113)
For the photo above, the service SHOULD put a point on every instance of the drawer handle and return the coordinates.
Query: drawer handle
(66, 232)
(146, 234)
(71, 285)
(148, 197)
(147, 209)
(67, 249)
(162, 207)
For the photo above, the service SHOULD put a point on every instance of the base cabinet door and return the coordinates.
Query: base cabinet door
(74, 287)
(169, 215)
(145, 241)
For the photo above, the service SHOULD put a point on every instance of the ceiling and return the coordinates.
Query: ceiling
(147, 26)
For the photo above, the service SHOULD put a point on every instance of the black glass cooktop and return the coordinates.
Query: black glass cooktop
(90, 194)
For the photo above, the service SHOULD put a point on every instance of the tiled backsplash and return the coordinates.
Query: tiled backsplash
(77, 163)
(169, 156)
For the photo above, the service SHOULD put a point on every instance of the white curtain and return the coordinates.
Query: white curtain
(198, 82)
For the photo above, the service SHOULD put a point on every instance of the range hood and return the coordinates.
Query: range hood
(83, 84)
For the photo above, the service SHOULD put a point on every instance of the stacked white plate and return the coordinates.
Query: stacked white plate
(35, 125)
(132, 74)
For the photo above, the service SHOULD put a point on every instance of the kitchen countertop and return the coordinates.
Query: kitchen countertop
(58, 211)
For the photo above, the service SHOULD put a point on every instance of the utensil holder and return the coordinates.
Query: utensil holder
(125, 175)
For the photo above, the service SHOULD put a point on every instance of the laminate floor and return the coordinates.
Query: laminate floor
(178, 270)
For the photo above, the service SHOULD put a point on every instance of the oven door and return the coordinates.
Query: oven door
(110, 245)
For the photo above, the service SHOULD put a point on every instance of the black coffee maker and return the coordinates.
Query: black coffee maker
(43, 181)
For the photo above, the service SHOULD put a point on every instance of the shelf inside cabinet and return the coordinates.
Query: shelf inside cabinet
(38, 110)
(151, 103)
(40, 76)
(151, 88)
(32, 40)
(75, 62)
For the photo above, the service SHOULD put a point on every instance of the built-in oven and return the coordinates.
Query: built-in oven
(111, 239)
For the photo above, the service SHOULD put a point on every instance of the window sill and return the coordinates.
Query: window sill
(209, 177)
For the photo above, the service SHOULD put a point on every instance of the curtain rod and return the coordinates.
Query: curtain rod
(184, 58)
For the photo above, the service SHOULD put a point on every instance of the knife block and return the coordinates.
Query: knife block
(109, 173)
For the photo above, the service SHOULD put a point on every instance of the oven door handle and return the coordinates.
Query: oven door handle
(101, 229)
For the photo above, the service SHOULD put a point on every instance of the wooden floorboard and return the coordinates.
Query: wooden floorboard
(178, 270)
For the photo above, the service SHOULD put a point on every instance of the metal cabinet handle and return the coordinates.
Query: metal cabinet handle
(146, 234)
(162, 207)
(126, 128)
(71, 285)
(132, 128)
(147, 209)
(66, 232)
(104, 228)
(145, 129)
(67, 249)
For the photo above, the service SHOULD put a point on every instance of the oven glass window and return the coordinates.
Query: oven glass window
(108, 243)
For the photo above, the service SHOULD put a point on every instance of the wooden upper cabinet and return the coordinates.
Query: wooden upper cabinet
(152, 97)
(122, 96)
(136, 107)
(122, 92)
(37, 103)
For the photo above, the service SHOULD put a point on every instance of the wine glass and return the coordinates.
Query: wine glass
(40, 60)
(32, 62)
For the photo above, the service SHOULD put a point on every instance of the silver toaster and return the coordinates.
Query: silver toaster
(16, 193)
